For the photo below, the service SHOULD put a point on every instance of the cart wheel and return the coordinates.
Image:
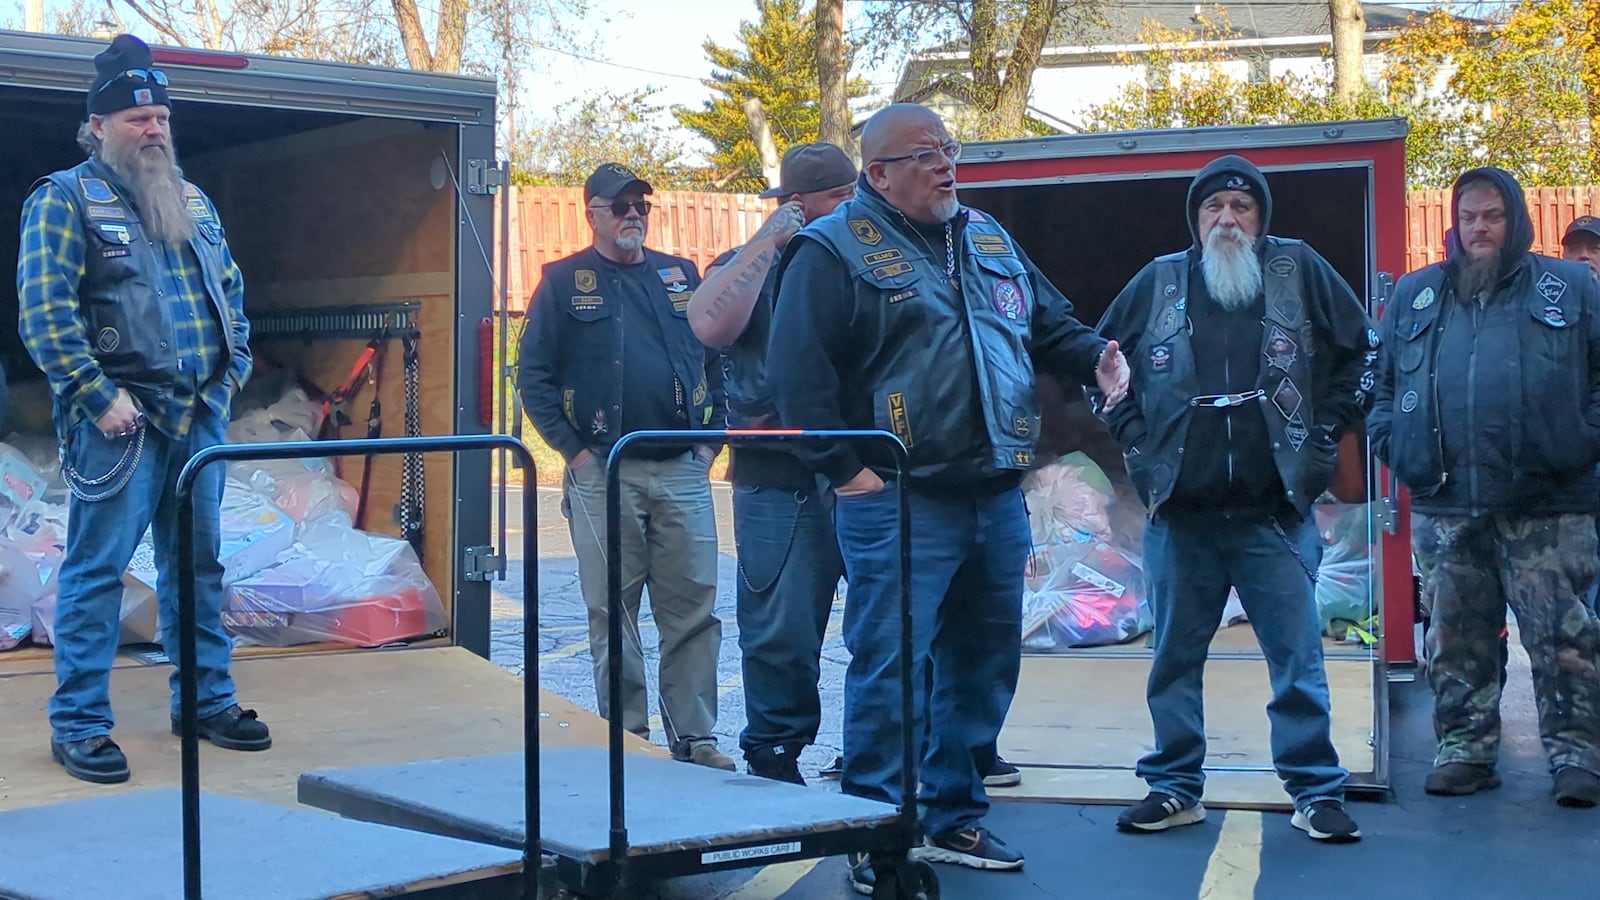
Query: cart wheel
(914, 879)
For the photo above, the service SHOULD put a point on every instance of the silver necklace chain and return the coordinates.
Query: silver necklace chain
(949, 252)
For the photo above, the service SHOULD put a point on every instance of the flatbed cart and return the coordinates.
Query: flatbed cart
(603, 840)
(788, 822)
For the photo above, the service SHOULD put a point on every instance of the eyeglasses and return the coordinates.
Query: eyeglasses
(619, 208)
(137, 76)
(927, 157)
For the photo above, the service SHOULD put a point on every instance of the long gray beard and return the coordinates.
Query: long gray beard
(1231, 269)
(157, 185)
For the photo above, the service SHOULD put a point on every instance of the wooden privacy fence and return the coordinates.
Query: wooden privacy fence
(548, 223)
(1551, 208)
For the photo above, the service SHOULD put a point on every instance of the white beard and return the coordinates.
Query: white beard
(631, 241)
(1231, 268)
(945, 210)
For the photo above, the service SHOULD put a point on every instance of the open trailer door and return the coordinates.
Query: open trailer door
(1091, 210)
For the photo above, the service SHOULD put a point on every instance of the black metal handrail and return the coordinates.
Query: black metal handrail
(188, 678)
(908, 784)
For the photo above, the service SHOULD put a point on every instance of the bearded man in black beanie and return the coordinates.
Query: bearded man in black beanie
(1251, 357)
(132, 305)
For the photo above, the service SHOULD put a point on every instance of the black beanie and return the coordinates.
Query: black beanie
(125, 77)
(1226, 174)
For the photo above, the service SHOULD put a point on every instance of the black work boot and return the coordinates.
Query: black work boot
(97, 759)
(232, 729)
(1455, 779)
(1576, 787)
(778, 763)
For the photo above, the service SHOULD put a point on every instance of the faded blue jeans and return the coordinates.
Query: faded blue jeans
(789, 571)
(101, 538)
(1191, 559)
(968, 551)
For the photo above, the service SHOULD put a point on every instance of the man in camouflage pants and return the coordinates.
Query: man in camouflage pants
(1489, 411)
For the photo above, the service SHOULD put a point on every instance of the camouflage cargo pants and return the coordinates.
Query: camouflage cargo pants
(1542, 566)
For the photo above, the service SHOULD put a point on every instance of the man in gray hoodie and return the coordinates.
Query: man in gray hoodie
(1489, 412)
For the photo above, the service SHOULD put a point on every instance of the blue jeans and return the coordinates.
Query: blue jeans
(967, 556)
(1191, 560)
(789, 570)
(101, 538)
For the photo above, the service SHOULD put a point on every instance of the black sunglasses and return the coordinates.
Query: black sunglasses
(619, 208)
(138, 76)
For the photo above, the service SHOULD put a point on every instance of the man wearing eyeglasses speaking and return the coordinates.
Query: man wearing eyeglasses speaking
(608, 351)
(1251, 356)
(905, 311)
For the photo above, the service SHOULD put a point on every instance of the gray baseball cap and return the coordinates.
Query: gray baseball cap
(808, 168)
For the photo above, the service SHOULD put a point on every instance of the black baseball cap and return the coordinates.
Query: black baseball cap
(612, 179)
(808, 168)
(1586, 224)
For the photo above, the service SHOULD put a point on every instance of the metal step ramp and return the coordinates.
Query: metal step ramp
(129, 846)
(680, 817)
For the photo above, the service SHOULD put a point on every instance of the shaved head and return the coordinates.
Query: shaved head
(909, 160)
(878, 135)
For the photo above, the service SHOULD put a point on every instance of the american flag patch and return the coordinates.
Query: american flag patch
(671, 273)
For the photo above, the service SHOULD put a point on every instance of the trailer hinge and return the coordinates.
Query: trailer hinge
(482, 564)
(484, 177)
(1384, 515)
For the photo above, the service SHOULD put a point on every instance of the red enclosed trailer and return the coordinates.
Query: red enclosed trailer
(1091, 210)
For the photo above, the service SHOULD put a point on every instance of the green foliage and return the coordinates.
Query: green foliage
(1524, 96)
(585, 132)
(777, 65)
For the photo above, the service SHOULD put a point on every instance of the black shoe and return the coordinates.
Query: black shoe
(1575, 787)
(97, 759)
(862, 878)
(232, 729)
(1003, 774)
(1456, 779)
(1159, 811)
(973, 847)
(778, 763)
(835, 769)
(1326, 820)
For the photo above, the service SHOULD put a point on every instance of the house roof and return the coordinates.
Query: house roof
(1259, 20)
(1262, 20)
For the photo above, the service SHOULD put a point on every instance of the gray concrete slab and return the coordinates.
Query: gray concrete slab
(129, 846)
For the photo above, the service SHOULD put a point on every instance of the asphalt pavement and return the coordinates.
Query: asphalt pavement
(1512, 842)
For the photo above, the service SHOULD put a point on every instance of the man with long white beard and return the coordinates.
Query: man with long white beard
(608, 350)
(1251, 356)
(132, 305)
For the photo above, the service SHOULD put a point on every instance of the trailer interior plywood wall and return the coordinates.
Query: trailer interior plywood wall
(354, 215)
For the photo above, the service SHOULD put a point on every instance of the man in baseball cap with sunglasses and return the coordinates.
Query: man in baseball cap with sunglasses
(131, 303)
(607, 351)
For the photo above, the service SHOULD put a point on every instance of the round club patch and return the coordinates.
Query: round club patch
(1008, 299)
(1408, 402)
(108, 339)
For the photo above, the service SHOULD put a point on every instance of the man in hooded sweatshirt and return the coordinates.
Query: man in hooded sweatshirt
(1489, 412)
(1250, 356)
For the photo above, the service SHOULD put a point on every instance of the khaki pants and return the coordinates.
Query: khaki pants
(668, 543)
